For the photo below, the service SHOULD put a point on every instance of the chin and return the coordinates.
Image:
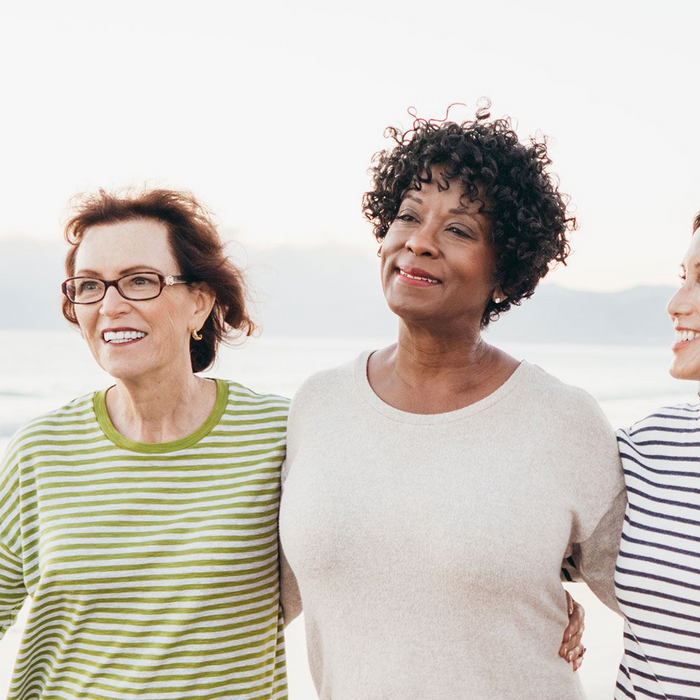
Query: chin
(684, 372)
(410, 312)
(122, 368)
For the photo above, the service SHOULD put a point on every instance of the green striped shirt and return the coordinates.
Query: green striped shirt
(153, 568)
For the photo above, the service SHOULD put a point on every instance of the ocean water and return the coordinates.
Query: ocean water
(41, 371)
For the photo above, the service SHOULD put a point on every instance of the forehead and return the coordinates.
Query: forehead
(110, 248)
(450, 192)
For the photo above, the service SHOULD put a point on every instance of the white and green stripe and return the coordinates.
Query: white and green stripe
(153, 569)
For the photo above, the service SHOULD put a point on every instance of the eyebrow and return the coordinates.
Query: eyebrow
(458, 210)
(461, 210)
(125, 271)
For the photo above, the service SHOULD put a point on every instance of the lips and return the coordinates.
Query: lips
(416, 274)
(120, 336)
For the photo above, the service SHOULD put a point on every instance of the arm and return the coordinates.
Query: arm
(12, 590)
(599, 512)
(598, 554)
(290, 598)
(594, 558)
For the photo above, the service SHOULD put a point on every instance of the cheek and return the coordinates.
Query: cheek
(174, 317)
(391, 244)
(86, 319)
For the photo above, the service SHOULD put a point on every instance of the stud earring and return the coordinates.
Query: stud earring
(196, 336)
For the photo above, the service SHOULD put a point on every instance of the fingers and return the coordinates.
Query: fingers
(572, 639)
(576, 614)
(572, 649)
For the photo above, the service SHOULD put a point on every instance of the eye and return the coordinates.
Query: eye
(406, 217)
(88, 286)
(462, 233)
(141, 281)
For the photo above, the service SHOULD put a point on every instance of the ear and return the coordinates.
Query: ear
(204, 299)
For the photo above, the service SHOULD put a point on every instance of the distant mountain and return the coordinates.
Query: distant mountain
(634, 316)
(332, 291)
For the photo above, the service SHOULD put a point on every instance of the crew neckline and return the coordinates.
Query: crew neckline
(396, 414)
(125, 443)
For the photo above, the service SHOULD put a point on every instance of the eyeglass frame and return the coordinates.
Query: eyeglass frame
(165, 281)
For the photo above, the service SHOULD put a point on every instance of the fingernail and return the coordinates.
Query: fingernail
(570, 656)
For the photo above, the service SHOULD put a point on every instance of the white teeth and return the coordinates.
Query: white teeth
(413, 277)
(685, 336)
(122, 336)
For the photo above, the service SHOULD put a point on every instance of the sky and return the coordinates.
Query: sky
(270, 112)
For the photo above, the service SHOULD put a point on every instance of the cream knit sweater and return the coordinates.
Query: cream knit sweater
(427, 548)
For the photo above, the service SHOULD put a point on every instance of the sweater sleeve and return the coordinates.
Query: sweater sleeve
(594, 559)
(12, 589)
(289, 590)
(599, 500)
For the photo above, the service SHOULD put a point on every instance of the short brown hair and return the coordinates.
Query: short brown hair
(195, 244)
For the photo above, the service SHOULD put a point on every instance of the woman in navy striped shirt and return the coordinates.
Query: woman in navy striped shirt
(657, 576)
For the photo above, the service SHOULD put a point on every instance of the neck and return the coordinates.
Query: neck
(160, 409)
(427, 356)
(436, 372)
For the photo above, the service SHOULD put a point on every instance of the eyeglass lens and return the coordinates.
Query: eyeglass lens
(143, 285)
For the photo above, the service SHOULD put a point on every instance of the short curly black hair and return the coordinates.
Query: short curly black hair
(529, 215)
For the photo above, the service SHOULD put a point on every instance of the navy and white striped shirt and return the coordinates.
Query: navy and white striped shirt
(657, 577)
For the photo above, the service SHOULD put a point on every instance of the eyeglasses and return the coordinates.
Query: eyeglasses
(138, 286)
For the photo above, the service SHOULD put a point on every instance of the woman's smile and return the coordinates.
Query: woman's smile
(122, 336)
(416, 277)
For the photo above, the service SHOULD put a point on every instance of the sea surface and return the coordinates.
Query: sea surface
(41, 371)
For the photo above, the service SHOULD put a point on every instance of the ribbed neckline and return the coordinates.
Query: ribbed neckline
(112, 434)
(363, 386)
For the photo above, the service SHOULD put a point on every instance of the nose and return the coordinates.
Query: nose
(113, 303)
(422, 241)
(679, 304)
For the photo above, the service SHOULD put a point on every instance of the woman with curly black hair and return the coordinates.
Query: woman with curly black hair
(434, 486)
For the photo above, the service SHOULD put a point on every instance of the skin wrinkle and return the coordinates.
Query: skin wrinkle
(440, 362)
(156, 398)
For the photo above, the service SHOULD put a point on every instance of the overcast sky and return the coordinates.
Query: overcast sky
(270, 112)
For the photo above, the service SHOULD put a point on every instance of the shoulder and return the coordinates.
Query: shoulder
(571, 403)
(323, 386)
(237, 393)
(678, 422)
(58, 427)
(244, 401)
(321, 403)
